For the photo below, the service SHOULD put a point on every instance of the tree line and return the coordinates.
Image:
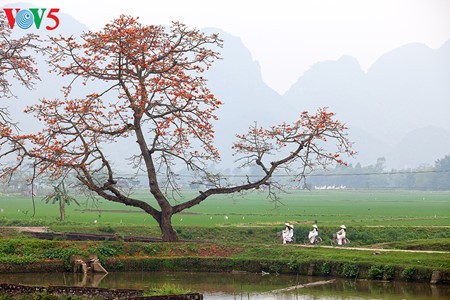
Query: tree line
(376, 176)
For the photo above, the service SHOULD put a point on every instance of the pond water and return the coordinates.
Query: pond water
(240, 286)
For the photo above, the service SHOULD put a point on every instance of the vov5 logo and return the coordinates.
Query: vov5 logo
(24, 18)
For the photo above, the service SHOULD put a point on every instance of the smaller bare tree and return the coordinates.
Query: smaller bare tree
(61, 196)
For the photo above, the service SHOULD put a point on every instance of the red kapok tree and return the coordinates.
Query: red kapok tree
(155, 96)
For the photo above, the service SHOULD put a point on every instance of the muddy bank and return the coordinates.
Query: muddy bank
(90, 292)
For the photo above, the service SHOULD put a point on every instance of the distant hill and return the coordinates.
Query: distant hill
(404, 90)
(237, 81)
(401, 101)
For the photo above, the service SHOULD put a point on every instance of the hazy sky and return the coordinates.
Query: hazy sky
(287, 36)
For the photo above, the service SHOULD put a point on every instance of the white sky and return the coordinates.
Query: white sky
(287, 36)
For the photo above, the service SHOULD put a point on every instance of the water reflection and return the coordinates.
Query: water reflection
(220, 286)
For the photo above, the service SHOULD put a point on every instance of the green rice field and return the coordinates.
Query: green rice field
(326, 207)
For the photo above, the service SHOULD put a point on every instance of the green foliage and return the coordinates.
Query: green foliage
(133, 249)
(326, 268)
(293, 263)
(64, 254)
(408, 273)
(9, 247)
(60, 196)
(376, 272)
(14, 259)
(184, 234)
(106, 229)
(270, 266)
(390, 272)
(152, 248)
(167, 289)
(350, 270)
(106, 251)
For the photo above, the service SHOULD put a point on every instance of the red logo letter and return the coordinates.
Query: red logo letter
(11, 18)
(53, 17)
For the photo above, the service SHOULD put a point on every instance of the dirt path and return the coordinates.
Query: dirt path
(27, 228)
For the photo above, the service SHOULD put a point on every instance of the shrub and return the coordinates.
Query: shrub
(350, 270)
(274, 267)
(106, 229)
(326, 268)
(9, 247)
(376, 272)
(390, 272)
(62, 253)
(106, 251)
(293, 263)
(270, 266)
(408, 273)
(152, 249)
(133, 249)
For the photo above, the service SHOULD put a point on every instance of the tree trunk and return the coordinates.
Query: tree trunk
(168, 234)
(62, 213)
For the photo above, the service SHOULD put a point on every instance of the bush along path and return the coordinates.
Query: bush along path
(31, 255)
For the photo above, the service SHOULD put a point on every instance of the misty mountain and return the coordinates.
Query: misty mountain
(398, 109)
(405, 90)
(237, 81)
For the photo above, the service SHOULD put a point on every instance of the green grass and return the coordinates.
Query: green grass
(367, 208)
(438, 261)
(422, 244)
(167, 289)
